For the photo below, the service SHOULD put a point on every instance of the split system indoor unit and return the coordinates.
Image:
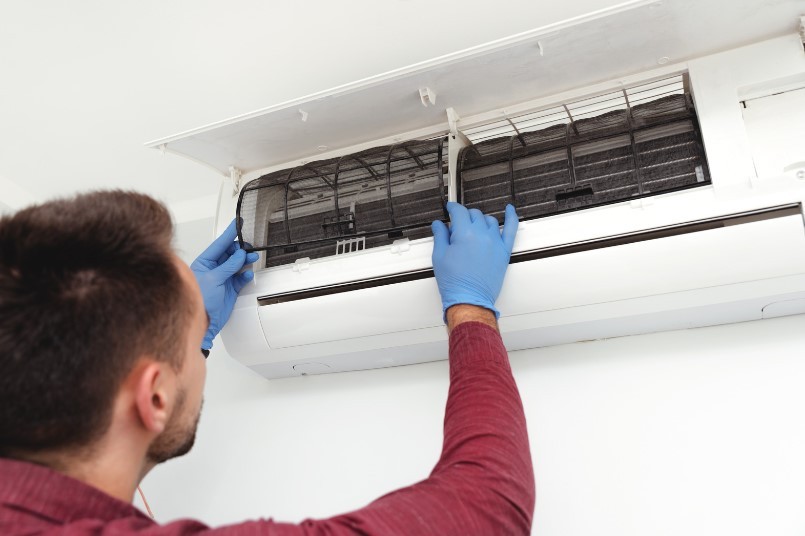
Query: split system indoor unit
(651, 197)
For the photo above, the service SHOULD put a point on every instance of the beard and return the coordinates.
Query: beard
(179, 435)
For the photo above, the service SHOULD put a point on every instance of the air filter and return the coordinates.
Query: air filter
(357, 201)
(619, 146)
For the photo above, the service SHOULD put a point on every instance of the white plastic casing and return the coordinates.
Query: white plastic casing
(736, 273)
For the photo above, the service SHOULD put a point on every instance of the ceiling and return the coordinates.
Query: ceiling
(83, 89)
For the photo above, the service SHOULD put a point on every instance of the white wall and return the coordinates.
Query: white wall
(193, 237)
(691, 432)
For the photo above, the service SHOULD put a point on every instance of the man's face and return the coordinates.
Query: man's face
(180, 432)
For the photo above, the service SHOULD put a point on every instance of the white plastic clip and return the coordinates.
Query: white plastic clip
(452, 120)
(643, 202)
(162, 148)
(427, 96)
(235, 175)
(300, 265)
(802, 30)
(350, 245)
(304, 115)
(798, 168)
(541, 49)
(400, 246)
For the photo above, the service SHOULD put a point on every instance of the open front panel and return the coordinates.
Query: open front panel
(354, 202)
(614, 147)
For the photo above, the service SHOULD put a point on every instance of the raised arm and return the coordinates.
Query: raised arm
(483, 482)
(217, 271)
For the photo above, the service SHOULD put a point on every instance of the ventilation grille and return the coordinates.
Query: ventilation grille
(631, 143)
(381, 194)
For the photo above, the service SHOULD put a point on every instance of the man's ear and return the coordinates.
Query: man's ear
(153, 395)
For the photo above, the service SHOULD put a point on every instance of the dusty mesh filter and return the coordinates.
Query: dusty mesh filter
(615, 147)
(356, 201)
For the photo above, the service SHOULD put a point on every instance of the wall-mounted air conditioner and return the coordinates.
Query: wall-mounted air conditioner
(650, 197)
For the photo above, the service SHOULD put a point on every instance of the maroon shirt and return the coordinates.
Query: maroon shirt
(482, 484)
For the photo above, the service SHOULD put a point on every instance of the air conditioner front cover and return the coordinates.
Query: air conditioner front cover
(725, 273)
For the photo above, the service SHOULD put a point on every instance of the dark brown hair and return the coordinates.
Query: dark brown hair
(87, 285)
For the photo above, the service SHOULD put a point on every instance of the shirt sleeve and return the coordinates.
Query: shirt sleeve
(483, 482)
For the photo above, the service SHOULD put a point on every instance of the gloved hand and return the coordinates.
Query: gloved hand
(470, 258)
(216, 271)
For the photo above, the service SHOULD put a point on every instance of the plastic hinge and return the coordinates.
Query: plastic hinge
(427, 96)
(300, 265)
(642, 202)
(235, 175)
(400, 246)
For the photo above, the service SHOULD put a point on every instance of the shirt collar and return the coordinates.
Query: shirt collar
(51, 494)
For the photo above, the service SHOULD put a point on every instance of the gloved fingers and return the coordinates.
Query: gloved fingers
(233, 247)
(509, 228)
(459, 216)
(232, 266)
(220, 244)
(441, 238)
(251, 258)
(476, 215)
(241, 280)
(492, 222)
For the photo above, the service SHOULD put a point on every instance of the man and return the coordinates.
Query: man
(102, 329)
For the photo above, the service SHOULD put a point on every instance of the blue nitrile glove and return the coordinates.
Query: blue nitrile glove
(470, 258)
(216, 271)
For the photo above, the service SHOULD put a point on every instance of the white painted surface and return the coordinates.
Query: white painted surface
(193, 237)
(194, 209)
(774, 125)
(694, 433)
(13, 196)
(5, 209)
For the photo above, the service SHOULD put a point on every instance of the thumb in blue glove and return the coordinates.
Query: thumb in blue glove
(216, 271)
(471, 257)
